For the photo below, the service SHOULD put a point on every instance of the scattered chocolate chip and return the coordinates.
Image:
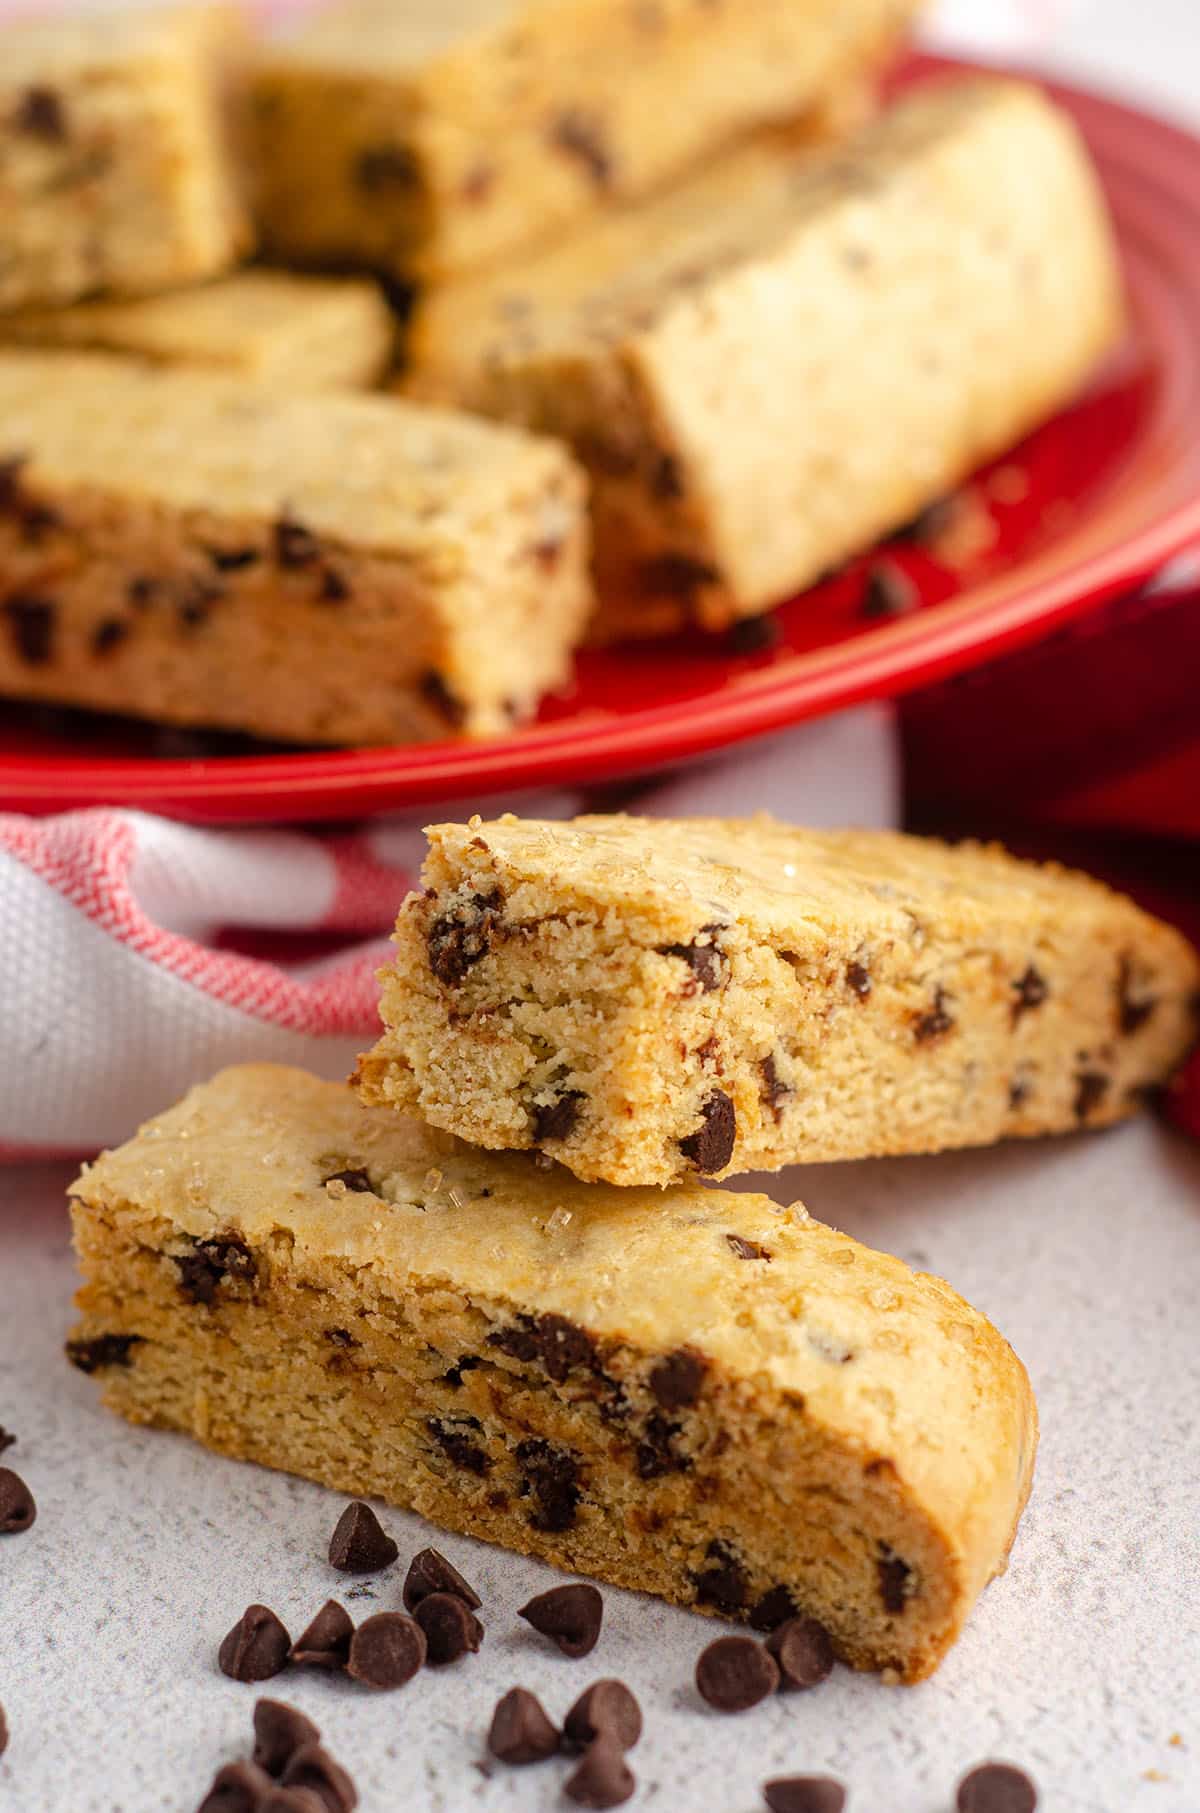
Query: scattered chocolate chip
(31, 624)
(773, 1609)
(746, 1249)
(888, 592)
(520, 1730)
(724, 1582)
(552, 1476)
(17, 1509)
(295, 545)
(40, 114)
(603, 1777)
(803, 1652)
(894, 1578)
(456, 1444)
(436, 691)
(354, 1179)
(461, 936)
(256, 1648)
(933, 1023)
(581, 136)
(1030, 990)
(430, 1572)
(1133, 1008)
(735, 1673)
(108, 634)
(929, 525)
(559, 1118)
(212, 1263)
(605, 1709)
(804, 1794)
(675, 1380)
(237, 1788)
(325, 1643)
(1091, 1087)
(386, 1650)
(774, 1090)
(233, 560)
(383, 168)
(7, 1439)
(710, 1147)
(451, 1628)
(677, 575)
(570, 1616)
(704, 960)
(858, 978)
(996, 1788)
(314, 1768)
(279, 1731)
(755, 635)
(101, 1351)
(360, 1544)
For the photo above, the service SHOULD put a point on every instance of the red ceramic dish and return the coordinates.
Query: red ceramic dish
(1090, 505)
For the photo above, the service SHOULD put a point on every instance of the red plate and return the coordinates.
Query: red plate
(1091, 504)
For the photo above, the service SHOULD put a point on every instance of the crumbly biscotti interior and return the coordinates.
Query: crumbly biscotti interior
(701, 1395)
(647, 999)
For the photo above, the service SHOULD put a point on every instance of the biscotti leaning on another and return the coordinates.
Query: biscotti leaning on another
(119, 140)
(765, 375)
(427, 140)
(702, 1395)
(331, 568)
(312, 333)
(647, 999)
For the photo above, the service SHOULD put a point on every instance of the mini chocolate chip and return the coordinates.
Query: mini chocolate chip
(724, 1582)
(237, 1788)
(436, 691)
(773, 1609)
(704, 960)
(710, 1147)
(212, 1263)
(754, 635)
(7, 1439)
(457, 1445)
(1019, 1091)
(453, 1374)
(1091, 1087)
(802, 1649)
(383, 168)
(603, 1777)
(929, 525)
(451, 1628)
(935, 1021)
(520, 1730)
(325, 1643)
(894, 1577)
(279, 1731)
(17, 1509)
(570, 1616)
(31, 623)
(101, 1351)
(804, 1794)
(678, 575)
(430, 1572)
(675, 1380)
(314, 1768)
(295, 545)
(888, 592)
(858, 978)
(774, 1090)
(40, 114)
(605, 1709)
(1133, 1009)
(559, 1118)
(581, 135)
(735, 1673)
(197, 597)
(233, 560)
(562, 1345)
(256, 1648)
(360, 1544)
(1030, 990)
(747, 1249)
(334, 587)
(142, 591)
(461, 936)
(354, 1179)
(996, 1788)
(108, 634)
(552, 1476)
(655, 1453)
(386, 1650)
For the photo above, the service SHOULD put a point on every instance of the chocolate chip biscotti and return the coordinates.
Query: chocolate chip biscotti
(770, 366)
(311, 333)
(325, 567)
(648, 999)
(118, 146)
(702, 1395)
(430, 139)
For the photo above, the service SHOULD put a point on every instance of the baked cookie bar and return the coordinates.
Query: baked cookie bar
(117, 152)
(432, 139)
(701, 1395)
(311, 333)
(768, 367)
(326, 567)
(648, 999)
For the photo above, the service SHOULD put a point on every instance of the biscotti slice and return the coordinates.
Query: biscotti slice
(324, 567)
(430, 139)
(311, 333)
(647, 999)
(769, 367)
(118, 136)
(702, 1395)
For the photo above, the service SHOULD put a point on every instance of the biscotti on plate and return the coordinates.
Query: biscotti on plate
(118, 144)
(326, 567)
(699, 1394)
(770, 366)
(429, 139)
(311, 333)
(648, 999)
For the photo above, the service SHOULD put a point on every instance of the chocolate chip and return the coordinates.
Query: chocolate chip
(1133, 1008)
(295, 545)
(704, 960)
(747, 1249)
(436, 691)
(755, 635)
(933, 1023)
(451, 1628)
(237, 1788)
(603, 1777)
(387, 1650)
(17, 1509)
(325, 1643)
(1030, 990)
(256, 1648)
(677, 575)
(31, 623)
(291, 1800)
(101, 1351)
(382, 169)
(1019, 1091)
(233, 560)
(430, 1572)
(314, 1768)
(340, 1337)
(774, 1090)
(108, 634)
(803, 1652)
(453, 1374)
(858, 978)
(212, 1263)
(457, 1445)
(197, 597)
(888, 592)
(581, 135)
(735, 1673)
(40, 114)
(142, 591)
(894, 1577)
(655, 1453)
(1091, 1087)
(562, 1345)
(804, 1794)
(665, 479)
(279, 1731)
(360, 1544)
(605, 1709)
(3, 1732)
(334, 587)
(7, 1439)
(570, 1615)
(551, 1475)
(520, 1730)
(675, 1380)
(932, 523)
(773, 1609)
(559, 1118)
(724, 1583)
(462, 935)
(710, 1147)
(996, 1788)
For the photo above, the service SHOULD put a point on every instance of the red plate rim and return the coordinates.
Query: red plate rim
(1139, 156)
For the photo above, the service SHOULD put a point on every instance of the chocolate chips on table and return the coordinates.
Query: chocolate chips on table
(570, 1615)
(17, 1508)
(804, 1794)
(430, 1572)
(603, 1777)
(359, 1544)
(735, 1673)
(237, 1788)
(520, 1730)
(451, 1628)
(606, 1708)
(326, 1642)
(802, 1652)
(996, 1788)
(279, 1731)
(313, 1768)
(387, 1650)
(256, 1648)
